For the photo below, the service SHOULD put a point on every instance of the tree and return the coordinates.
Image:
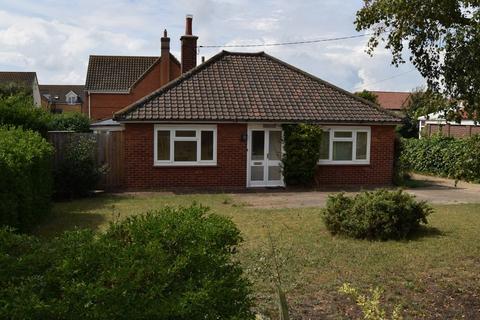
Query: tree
(367, 95)
(443, 37)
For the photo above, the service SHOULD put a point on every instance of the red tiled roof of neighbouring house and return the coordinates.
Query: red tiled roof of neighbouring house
(250, 87)
(392, 100)
(118, 73)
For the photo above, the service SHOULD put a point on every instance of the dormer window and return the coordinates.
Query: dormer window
(71, 98)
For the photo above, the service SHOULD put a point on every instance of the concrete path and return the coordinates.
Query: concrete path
(434, 190)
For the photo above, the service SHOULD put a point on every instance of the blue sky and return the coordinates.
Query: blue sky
(55, 38)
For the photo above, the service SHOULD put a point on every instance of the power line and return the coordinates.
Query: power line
(286, 43)
(386, 79)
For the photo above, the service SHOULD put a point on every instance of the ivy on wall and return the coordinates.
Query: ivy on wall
(302, 152)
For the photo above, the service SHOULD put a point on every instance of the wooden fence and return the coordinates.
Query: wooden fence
(109, 152)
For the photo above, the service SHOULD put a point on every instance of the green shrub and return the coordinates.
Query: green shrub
(302, 152)
(168, 264)
(77, 173)
(18, 110)
(71, 121)
(454, 158)
(25, 178)
(380, 214)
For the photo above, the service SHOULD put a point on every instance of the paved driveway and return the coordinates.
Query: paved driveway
(435, 190)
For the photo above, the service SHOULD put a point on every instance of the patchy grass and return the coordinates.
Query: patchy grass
(433, 275)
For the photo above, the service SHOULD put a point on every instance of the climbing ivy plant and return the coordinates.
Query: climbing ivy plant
(302, 152)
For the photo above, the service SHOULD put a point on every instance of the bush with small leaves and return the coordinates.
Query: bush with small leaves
(175, 263)
(381, 214)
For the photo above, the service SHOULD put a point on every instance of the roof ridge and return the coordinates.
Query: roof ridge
(121, 56)
(328, 84)
(172, 83)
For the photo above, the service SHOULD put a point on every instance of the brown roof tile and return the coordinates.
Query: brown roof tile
(252, 87)
(60, 91)
(117, 73)
(25, 78)
(392, 100)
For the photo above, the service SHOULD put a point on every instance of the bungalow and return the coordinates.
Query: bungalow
(62, 98)
(219, 125)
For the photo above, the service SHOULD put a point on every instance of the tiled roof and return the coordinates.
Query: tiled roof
(117, 73)
(60, 91)
(25, 78)
(392, 100)
(252, 87)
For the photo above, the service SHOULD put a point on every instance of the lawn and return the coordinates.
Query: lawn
(433, 276)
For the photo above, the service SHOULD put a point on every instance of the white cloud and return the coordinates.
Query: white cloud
(57, 42)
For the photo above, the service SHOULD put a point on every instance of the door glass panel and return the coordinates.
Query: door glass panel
(274, 173)
(185, 150)
(275, 145)
(342, 150)
(258, 145)
(257, 173)
(361, 146)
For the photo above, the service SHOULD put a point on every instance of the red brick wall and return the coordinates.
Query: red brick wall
(378, 172)
(102, 106)
(456, 131)
(229, 173)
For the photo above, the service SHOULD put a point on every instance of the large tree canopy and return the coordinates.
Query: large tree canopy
(443, 37)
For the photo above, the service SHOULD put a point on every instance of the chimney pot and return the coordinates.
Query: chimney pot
(188, 25)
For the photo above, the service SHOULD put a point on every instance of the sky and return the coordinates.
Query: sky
(55, 38)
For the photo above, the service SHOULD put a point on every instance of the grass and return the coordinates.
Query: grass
(433, 275)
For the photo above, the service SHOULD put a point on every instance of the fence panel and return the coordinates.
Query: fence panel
(108, 153)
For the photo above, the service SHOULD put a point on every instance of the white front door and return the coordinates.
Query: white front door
(264, 157)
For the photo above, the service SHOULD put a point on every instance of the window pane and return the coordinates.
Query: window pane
(207, 145)
(258, 145)
(185, 133)
(275, 145)
(185, 150)
(163, 145)
(343, 134)
(274, 173)
(342, 150)
(325, 145)
(361, 146)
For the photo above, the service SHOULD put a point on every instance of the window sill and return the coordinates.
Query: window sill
(343, 163)
(173, 165)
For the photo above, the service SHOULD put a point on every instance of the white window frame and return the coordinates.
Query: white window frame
(353, 139)
(198, 129)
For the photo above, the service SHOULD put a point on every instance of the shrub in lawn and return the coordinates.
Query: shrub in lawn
(381, 214)
(168, 264)
(302, 152)
(25, 178)
(77, 173)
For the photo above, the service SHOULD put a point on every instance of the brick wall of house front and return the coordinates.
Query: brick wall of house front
(229, 173)
(378, 172)
(103, 106)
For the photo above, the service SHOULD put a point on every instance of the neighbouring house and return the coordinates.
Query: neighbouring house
(435, 123)
(62, 98)
(28, 80)
(219, 126)
(393, 101)
(114, 82)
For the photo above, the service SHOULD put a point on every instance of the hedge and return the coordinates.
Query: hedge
(25, 178)
(448, 157)
(175, 263)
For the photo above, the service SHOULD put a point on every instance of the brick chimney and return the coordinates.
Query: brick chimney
(165, 59)
(189, 47)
